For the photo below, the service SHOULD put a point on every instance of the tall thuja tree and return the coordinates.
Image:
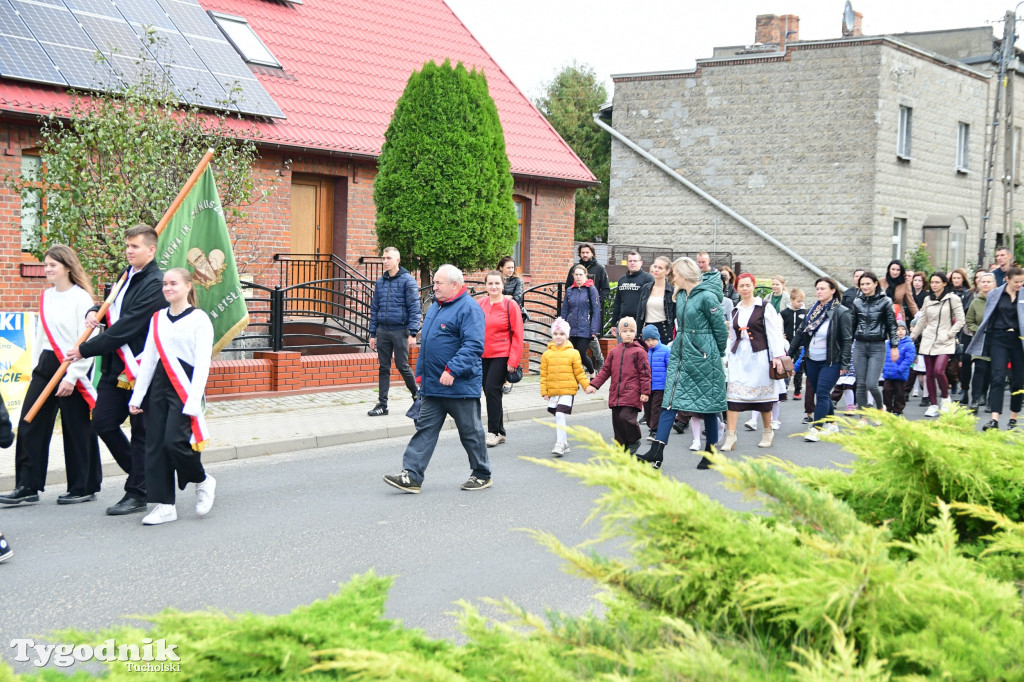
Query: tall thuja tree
(570, 102)
(444, 189)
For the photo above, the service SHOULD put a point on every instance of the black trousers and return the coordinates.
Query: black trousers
(981, 379)
(894, 395)
(1005, 347)
(582, 343)
(168, 451)
(81, 449)
(625, 426)
(494, 370)
(393, 342)
(652, 409)
(110, 412)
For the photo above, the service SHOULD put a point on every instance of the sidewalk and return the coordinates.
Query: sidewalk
(269, 426)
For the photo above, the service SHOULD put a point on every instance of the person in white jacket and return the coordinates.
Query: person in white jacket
(61, 322)
(174, 367)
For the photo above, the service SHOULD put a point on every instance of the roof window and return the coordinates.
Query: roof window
(240, 34)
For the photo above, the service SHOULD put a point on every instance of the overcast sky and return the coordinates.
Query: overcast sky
(532, 39)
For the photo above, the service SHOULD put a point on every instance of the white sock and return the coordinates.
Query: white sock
(560, 427)
(696, 424)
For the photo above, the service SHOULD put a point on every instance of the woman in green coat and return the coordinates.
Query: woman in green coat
(695, 381)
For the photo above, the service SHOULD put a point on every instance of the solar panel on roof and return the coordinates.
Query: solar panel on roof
(59, 41)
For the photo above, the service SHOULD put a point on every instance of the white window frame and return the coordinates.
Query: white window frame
(899, 229)
(244, 39)
(963, 138)
(904, 132)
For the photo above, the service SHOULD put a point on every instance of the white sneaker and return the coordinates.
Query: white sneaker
(932, 411)
(945, 405)
(915, 394)
(776, 425)
(491, 439)
(204, 495)
(695, 446)
(832, 427)
(162, 513)
(812, 436)
(751, 424)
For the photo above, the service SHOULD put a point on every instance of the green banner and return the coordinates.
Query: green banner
(196, 238)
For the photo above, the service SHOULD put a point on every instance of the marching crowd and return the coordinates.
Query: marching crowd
(697, 349)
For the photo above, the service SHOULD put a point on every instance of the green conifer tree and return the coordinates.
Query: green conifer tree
(444, 189)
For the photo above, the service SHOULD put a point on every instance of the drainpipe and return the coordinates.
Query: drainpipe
(713, 201)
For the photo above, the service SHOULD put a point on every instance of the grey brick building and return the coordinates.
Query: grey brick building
(848, 152)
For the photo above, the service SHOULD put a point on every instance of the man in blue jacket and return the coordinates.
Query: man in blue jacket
(451, 373)
(394, 323)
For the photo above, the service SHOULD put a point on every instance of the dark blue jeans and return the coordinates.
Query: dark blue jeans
(433, 411)
(821, 377)
(710, 422)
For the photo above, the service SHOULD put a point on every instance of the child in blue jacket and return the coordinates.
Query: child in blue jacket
(895, 374)
(657, 358)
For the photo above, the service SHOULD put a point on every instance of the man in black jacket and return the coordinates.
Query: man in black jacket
(627, 291)
(598, 275)
(394, 323)
(851, 291)
(127, 326)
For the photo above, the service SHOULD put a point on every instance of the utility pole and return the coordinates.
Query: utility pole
(986, 207)
(1009, 150)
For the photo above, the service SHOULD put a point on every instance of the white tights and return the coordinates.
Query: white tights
(560, 436)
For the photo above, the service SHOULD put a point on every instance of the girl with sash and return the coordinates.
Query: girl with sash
(173, 370)
(62, 311)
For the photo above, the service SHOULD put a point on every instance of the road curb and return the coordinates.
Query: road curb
(267, 448)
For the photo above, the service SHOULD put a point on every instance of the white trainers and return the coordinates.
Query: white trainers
(162, 513)
(204, 495)
(776, 425)
(751, 424)
(945, 405)
(932, 411)
(695, 446)
(491, 439)
(560, 449)
(812, 436)
(832, 427)
(915, 393)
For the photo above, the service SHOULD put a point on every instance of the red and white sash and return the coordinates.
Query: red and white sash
(131, 363)
(83, 385)
(182, 386)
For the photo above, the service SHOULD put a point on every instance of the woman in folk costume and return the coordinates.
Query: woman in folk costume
(755, 344)
(62, 310)
(173, 370)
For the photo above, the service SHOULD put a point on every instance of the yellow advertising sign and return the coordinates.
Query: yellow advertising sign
(17, 332)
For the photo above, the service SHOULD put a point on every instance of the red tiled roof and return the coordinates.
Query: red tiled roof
(345, 64)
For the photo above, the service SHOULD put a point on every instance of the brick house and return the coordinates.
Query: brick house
(335, 69)
(812, 155)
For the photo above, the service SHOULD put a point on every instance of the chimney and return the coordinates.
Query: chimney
(772, 29)
(856, 31)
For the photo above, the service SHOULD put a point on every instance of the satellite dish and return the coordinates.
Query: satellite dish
(848, 18)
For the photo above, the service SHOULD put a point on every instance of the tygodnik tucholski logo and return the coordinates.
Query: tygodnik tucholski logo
(150, 656)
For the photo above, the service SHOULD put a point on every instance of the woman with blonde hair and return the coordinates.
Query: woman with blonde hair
(656, 305)
(62, 310)
(695, 380)
(779, 298)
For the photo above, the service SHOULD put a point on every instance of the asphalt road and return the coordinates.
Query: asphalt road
(287, 529)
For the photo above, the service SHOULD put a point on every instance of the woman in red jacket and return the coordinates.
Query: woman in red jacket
(503, 348)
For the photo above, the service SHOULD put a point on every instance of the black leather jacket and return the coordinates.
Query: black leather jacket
(840, 338)
(874, 319)
(641, 309)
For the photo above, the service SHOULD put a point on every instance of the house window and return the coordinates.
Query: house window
(521, 251)
(945, 239)
(31, 200)
(899, 228)
(962, 139)
(240, 34)
(903, 137)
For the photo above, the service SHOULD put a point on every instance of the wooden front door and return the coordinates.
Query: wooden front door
(312, 236)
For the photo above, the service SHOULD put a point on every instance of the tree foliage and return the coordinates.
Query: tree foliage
(119, 157)
(443, 190)
(570, 102)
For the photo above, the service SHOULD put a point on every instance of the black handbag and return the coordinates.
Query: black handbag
(515, 376)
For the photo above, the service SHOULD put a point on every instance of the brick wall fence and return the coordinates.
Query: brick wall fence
(291, 372)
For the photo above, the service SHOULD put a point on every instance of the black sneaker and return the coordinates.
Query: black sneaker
(925, 402)
(807, 420)
(475, 483)
(402, 482)
(990, 424)
(5, 549)
(69, 498)
(20, 496)
(378, 410)
(679, 427)
(1012, 424)
(642, 420)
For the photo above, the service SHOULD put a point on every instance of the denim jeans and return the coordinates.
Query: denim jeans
(433, 411)
(710, 422)
(821, 377)
(393, 342)
(868, 361)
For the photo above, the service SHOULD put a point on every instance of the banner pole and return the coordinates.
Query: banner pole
(59, 374)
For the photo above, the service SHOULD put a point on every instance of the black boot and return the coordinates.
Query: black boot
(655, 456)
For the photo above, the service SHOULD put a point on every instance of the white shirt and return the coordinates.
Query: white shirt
(188, 338)
(65, 316)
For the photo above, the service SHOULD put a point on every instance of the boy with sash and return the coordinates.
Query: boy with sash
(127, 325)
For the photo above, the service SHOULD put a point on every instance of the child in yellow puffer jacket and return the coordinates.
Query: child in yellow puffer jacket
(561, 374)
